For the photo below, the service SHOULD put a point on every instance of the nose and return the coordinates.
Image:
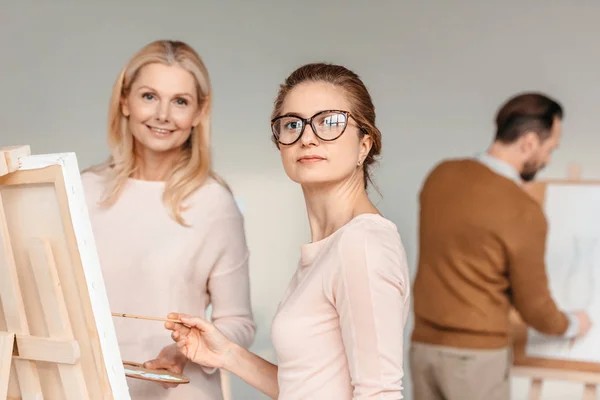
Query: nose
(308, 137)
(162, 112)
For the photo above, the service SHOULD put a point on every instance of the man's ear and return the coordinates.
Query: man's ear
(529, 142)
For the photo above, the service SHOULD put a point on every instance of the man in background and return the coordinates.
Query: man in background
(482, 248)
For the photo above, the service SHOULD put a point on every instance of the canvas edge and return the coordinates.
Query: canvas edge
(90, 262)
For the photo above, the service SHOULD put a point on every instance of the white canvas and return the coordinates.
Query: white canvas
(90, 262)
(573, 268)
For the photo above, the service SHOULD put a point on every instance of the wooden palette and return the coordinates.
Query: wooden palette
(137, 371)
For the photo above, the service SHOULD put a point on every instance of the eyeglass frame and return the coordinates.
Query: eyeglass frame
(309, 121)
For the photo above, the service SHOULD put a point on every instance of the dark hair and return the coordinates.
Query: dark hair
(361, 105)
(527, 112)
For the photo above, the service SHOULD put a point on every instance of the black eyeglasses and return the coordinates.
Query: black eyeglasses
(327, 125)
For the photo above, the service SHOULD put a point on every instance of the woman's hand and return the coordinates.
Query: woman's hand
(200, 341)
(204, 344)
(171, 359)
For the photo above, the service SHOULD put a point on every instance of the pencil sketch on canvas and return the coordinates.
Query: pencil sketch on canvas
(573, 268)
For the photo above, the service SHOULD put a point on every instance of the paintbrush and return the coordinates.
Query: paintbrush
(145, 317)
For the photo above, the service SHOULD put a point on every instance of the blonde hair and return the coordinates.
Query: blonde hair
(194, 165)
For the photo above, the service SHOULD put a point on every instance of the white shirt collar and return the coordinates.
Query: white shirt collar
(500, 167)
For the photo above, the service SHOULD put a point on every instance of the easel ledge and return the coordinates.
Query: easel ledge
(538, 375)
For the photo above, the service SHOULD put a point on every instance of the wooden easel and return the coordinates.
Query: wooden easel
(17, 347)
(53, 310)
(539, 374)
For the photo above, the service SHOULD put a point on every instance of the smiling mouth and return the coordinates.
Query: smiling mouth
(159, 130)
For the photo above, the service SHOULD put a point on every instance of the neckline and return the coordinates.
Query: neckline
(310, 251)
(129, 180)
(136, 181)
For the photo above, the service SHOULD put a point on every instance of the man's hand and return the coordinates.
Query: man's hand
(584, 323)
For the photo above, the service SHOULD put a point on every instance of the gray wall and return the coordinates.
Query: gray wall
(437, 71)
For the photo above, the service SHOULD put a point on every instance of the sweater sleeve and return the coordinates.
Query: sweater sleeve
(370, 293)
(527, 274)
(229, 281)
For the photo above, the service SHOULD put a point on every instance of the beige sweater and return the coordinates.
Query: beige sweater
(153, 266)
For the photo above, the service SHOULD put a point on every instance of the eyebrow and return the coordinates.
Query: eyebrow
(175, 95)
(290, 114)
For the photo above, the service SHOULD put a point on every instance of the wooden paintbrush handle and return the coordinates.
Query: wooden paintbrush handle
(145, 317)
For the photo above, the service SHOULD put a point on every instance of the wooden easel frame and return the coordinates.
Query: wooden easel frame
(51, 284)
(538, 374)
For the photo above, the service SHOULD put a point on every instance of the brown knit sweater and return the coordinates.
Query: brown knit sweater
(482, 245)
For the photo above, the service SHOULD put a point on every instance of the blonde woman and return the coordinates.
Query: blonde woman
(167, 229)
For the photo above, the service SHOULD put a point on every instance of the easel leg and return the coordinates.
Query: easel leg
(14, 311)
(589, 393)
(226, 385)
(535, 393)
(7, 341)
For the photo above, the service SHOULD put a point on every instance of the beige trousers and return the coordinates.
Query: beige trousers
(447, 373)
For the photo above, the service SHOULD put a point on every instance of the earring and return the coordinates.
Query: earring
(358, 163)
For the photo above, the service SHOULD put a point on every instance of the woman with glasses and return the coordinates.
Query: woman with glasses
(338, 331)
(168, 232)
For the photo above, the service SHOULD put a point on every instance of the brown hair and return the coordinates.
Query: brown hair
(361, 105)
(527, 112)
(194, 164)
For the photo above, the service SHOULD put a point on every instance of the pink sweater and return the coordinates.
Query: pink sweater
(338, 332)
(152, 266)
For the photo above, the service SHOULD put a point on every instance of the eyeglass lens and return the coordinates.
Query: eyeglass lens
(327, 126)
